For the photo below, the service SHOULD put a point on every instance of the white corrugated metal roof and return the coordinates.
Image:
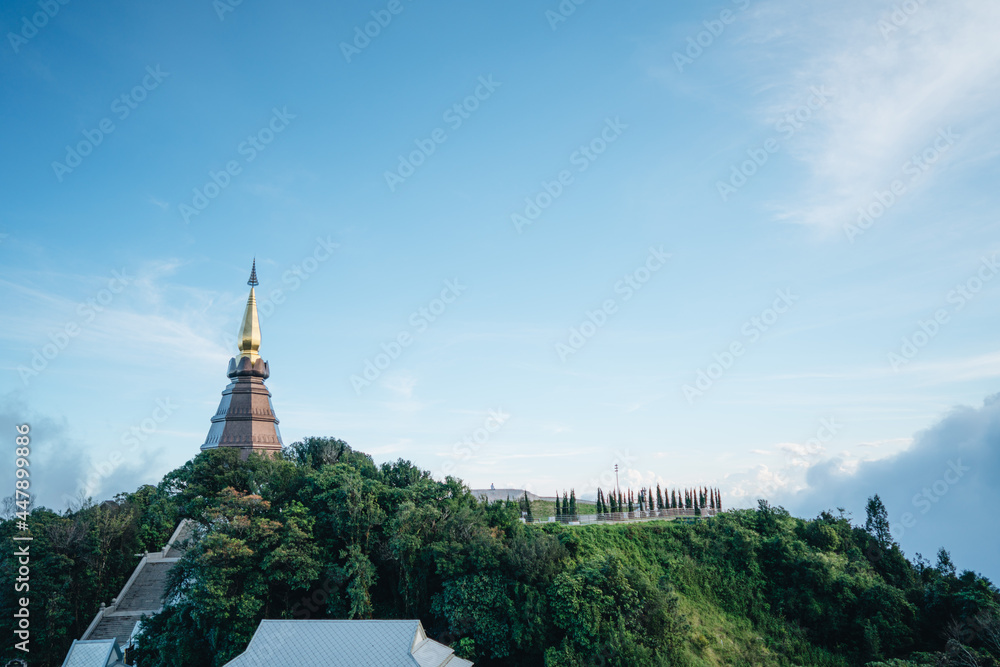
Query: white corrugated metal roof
(93, 653)
(429, 653)
(278, 643)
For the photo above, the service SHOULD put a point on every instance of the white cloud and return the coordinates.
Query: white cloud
(891, 94)
(936, 491)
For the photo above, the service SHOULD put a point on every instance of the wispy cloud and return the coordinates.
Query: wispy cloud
(401, 383)
(893, 89)
(876, 444)
(149, 313)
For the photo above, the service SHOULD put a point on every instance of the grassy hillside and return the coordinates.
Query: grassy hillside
(546, 508)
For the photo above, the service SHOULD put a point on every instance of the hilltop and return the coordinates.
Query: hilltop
(323, 532)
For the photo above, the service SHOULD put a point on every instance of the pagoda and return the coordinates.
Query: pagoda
(245, 418)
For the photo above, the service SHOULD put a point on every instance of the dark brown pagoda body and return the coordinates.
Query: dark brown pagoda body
(245, 418)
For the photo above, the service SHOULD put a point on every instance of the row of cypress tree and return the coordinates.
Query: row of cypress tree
(567, 508)
(645, 500)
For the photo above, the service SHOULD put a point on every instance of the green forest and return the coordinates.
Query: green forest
(323, 532)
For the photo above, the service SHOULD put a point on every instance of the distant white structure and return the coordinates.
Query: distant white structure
(279, 643)
(492, 494)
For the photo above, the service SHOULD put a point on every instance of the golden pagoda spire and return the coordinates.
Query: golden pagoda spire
(248, 340)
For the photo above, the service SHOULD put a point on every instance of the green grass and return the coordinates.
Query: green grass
(721, 634)
(545, 508)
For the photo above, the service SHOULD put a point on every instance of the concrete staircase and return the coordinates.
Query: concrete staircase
(142, 594)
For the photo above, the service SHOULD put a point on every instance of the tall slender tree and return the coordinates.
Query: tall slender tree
(527, 508)
(877, 521)
(659, 498)
(572, 505)
(558, 508)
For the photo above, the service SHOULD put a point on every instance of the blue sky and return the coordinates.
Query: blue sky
(620, 201)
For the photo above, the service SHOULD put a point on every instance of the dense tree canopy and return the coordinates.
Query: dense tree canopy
(324, 532)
